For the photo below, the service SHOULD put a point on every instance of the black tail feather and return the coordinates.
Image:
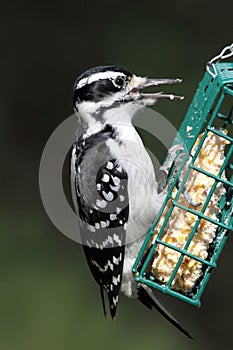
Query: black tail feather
(147, 297)
(104, 302)
(109, 302)
(112, 307)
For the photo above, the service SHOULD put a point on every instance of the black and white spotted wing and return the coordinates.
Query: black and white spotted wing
(102, 197)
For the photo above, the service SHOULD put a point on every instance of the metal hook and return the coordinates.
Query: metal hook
(210, 66)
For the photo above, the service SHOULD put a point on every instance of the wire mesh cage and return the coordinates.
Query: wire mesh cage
(184, 243)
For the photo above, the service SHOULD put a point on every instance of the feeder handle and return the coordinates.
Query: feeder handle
(225, 53)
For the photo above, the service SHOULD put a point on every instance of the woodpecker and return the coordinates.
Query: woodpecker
(113, 182)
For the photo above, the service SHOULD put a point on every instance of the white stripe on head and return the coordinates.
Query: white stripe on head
(98, 76)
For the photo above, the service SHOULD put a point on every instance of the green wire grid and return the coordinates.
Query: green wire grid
(210, 110)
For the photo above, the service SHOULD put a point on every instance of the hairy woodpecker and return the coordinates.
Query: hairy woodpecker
(113, 182)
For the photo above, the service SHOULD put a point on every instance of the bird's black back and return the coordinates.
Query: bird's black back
(102, 197)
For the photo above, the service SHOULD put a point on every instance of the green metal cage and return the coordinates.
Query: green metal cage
(210, 110)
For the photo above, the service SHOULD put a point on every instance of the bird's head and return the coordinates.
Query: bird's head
(109, 93)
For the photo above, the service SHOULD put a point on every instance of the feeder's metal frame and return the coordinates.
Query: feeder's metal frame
(215, 85)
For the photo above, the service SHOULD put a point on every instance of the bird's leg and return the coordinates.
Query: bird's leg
(187, 196)
(165, 170)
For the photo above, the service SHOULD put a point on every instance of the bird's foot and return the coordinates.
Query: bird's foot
(173, 162)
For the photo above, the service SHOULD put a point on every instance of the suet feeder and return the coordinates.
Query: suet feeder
(211, 111)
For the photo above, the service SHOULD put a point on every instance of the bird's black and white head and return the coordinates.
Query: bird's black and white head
(109, 94)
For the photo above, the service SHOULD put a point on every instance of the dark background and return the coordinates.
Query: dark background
(48, 299)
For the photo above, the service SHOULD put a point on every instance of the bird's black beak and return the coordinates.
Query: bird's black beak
(136, 84)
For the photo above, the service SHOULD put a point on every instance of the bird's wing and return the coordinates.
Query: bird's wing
(100, 187)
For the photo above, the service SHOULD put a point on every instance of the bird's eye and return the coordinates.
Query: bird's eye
(119, 82)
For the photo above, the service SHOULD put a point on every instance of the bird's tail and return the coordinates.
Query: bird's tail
(148, 298)
(112, 301)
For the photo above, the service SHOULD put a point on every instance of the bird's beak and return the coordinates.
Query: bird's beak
(136, 84)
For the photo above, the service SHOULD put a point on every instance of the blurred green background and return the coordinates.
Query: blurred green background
(48, 299)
